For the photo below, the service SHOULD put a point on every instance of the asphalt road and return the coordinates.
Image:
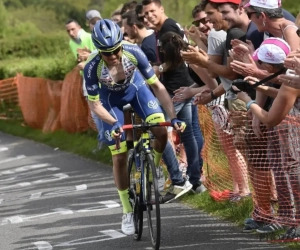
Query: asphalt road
(55, 200)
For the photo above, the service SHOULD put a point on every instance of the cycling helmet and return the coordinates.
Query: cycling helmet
(106, 35)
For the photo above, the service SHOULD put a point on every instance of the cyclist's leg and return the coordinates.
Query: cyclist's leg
(119, 158)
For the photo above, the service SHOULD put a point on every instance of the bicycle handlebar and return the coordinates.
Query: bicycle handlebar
(143, 125)
(146, 125)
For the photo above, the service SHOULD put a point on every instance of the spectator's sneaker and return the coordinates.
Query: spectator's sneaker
(128, 224)
(270, 228)
(252, 226)
(175, 191)
(292, 233)
(168, 197)
(198, 188)
(160, 178)
(248, 221)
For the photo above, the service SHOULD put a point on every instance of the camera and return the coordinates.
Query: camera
(242, 85)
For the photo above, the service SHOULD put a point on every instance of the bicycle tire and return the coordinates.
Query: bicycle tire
(137, 209)
(154, 234)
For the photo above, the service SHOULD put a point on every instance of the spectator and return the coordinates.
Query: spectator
(80, 39)
(128, 6)
(141, 17)
(89, 15)
(137, 31)
(116, 16)
(272, 54)
(92, 16)
(268, 17)
(174, 78)
(217, 63)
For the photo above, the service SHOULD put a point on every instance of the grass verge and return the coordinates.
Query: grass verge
(83, 144)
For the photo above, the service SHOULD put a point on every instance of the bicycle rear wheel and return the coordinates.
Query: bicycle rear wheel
(137, 198)
(152, 200)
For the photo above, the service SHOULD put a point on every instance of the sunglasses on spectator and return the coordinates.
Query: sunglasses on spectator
(197, 22)
(298, 32)
(249, 14)
(110, 53)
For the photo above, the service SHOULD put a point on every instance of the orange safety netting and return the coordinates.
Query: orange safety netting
(238, 162)
(8, 90)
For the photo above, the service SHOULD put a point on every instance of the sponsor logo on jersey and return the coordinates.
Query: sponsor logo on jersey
(90, 68)
(92, 88)
(107, 135)
(153, 104)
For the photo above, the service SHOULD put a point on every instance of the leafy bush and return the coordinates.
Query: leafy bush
(55, 67)
(34, 46)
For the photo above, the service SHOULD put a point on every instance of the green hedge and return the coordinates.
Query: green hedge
(55, 67)
(34, 46)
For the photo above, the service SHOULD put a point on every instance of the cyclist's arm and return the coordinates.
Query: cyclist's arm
(158, 88)
(92, 87)
(164, 98)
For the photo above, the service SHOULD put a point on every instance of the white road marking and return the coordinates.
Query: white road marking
(24, 168)
(3, 149)
(113, 234)
(9, 179)
(39, 194)
(81, 187)
(110, 204)
(104, 205)
(22, 184)
(12, 159)
(57, 177)
(35, 195)
(53, 169)
(68, 190)
(12, 220)
(20, 218)
(43, 245)
(34, 166)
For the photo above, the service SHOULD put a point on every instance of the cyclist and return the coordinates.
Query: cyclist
(117, 72)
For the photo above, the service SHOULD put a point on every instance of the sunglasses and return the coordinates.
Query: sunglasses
(141, 18)
(298, 32)
(197, 22)
(110, 53)
(249, 14)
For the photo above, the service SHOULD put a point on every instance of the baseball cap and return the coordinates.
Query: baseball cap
(273, 50)
(226, 1)
(267, 4)
(92, 13)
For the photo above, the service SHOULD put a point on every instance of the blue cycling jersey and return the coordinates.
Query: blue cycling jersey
(135, 65)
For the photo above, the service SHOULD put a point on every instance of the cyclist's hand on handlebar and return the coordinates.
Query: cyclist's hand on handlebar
(178, 125)
(116, 130)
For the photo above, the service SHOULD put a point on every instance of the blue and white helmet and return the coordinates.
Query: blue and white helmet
(106, 35)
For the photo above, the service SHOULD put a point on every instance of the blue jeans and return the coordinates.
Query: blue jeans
(171, 162)
(99, 126)
(197, 134)
(184, 113)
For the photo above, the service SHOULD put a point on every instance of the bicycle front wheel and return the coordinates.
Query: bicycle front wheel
(136, 198)
(152, 201)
